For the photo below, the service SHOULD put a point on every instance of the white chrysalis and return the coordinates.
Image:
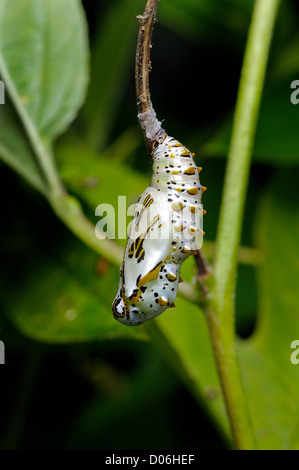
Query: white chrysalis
(165, 231)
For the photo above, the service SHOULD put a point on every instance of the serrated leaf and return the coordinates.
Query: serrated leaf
(272, 381)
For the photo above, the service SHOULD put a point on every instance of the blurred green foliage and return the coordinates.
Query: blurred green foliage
(65, 353)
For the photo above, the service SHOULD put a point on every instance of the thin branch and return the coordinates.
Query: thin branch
(202, 265)
(220, 312)
(151, 127)
(142, 64)
(203, 272)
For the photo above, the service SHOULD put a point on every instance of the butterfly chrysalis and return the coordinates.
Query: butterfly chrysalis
(166, 225)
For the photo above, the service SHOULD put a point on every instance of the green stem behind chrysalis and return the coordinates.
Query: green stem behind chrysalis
(221, 309)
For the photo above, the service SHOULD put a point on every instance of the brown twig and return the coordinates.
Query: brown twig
(202, 271)
(202, 265)
(151, 127)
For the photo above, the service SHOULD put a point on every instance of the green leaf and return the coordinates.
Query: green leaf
(185, 332)
(15, 150)
(67, 299)
(43, 61)
(272, 381)
(97, 180)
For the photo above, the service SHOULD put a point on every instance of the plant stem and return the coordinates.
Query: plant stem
(221, 309)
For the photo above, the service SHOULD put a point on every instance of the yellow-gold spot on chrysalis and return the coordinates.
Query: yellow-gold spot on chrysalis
(190, 171)
(150, 276)
(163, 301)
(177, 207)
(192, 230)
(193, 191)
(136, 298)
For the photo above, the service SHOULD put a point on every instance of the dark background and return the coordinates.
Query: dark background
(122, 394)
